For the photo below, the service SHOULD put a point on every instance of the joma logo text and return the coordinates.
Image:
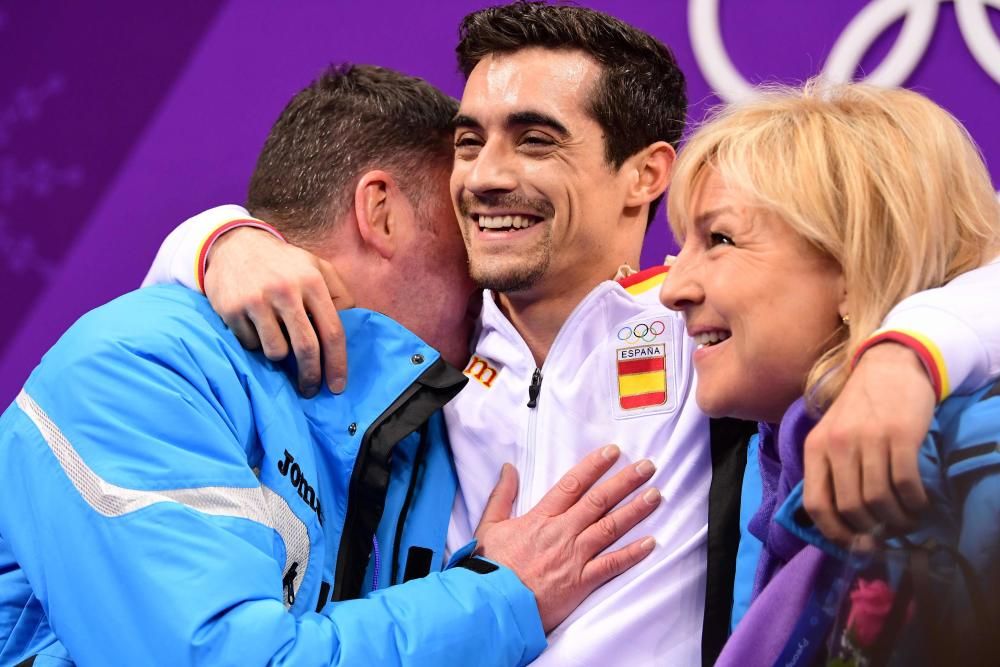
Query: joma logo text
(288, 468)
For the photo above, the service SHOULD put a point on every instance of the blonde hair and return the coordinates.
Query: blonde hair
(885, 182)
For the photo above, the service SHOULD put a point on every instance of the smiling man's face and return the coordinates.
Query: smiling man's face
(536, 198)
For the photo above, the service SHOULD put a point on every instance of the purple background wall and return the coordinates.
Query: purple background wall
(119, 119)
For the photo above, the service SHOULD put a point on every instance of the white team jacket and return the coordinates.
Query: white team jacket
(652, 614)
(618, 372)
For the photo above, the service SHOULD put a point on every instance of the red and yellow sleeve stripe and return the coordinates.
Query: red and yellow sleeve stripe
(644, 280)
(201, 257)
(925, 348)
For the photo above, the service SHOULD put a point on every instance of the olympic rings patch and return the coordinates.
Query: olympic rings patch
(642, 332)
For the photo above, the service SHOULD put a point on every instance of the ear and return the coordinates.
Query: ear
(373, 203)
(651, 169)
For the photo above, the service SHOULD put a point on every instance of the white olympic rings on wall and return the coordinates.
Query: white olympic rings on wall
(919, 19)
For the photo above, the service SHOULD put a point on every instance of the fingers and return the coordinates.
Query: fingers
(244, 330)
(305, 346)
(314, 328)
(844, 456)
(862, 457)
(272, 338)
(501, 500)
(863, 491)
(608, 566)
(611, 527)
(577, 481)
(281, 298)
(817, 494)
(877, 491)
(322, 305)
(603, 498)
(333, 345)
(847, 493)
(287, 301)
(289, 314)
(906, 479)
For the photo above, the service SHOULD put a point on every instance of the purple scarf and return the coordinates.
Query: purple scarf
(786, 562)
(771, 619)
(781, 468)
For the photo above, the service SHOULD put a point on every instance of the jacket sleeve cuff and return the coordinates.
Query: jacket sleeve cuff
(462, 554)
(950, 351)
(952, 328)
(183, 256)
(522, 604)
(201, 261)
(519, 597)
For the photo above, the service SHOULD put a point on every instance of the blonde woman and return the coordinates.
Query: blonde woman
(837, 203)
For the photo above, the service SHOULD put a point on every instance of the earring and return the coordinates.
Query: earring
(846, 320)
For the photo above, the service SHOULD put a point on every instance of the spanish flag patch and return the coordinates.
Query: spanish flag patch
(643, 367)
(642, 376)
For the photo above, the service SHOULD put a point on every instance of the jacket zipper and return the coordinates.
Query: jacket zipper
(527, 468)
(288, 582)
(534, 388)
(524, 498)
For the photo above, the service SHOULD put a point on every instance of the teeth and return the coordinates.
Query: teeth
(711, 338)
(505, 222)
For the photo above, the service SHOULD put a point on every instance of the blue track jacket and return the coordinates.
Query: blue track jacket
(167, 498)
(960, 468)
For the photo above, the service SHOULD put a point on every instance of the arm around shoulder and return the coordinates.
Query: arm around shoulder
(183, 256)
(954, 328)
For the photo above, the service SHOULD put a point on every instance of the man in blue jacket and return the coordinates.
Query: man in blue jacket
(169, 497)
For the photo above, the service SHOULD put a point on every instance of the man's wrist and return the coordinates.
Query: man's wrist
(900, 348)
(222, 235)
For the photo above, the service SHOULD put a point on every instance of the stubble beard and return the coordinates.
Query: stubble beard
(512, 274)
(507, 273)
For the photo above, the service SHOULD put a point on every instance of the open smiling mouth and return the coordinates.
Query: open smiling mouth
(710, 338)
(502, 223)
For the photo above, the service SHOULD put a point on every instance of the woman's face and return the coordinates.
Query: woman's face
(760, 301)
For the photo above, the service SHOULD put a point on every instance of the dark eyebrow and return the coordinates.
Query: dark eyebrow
(513, 120)
(461, 120)
(537, 118)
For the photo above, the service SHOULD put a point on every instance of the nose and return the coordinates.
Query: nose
(682, 288)
(493, 170)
